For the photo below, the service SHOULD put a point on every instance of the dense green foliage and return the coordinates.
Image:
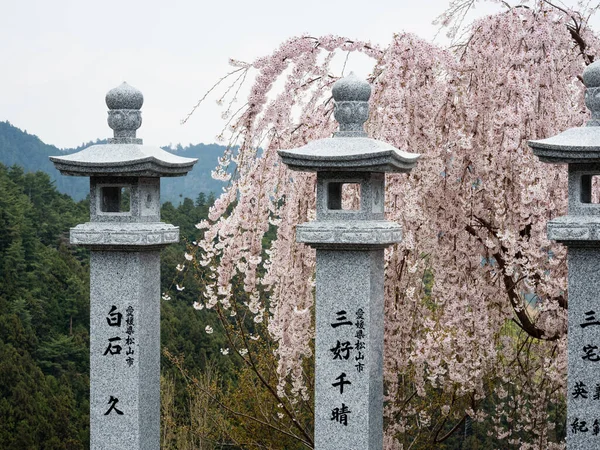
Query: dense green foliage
(44, 317)
(28, 151)
(44, 330)
(44, 314)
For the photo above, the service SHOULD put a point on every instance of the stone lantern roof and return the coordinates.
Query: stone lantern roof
(579, 148)
(124, 155)
(580, 144)
(350, 157)
(350, 149)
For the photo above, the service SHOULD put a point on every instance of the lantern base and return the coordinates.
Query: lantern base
(575, 231)
(119, 235)
(349, 235)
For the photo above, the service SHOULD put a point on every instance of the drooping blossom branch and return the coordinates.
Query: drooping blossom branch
(463, 335)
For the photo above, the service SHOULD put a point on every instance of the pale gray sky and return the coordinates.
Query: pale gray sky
(60, 57)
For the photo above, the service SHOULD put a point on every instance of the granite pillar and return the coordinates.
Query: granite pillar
(350, 245)
(349, 342)
(583, 381)
(125, 236)
(125, 350)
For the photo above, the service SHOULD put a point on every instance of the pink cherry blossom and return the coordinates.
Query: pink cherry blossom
(460, 328)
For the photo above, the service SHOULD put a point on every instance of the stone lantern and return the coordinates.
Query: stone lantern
(350, 271)
(125, 235)
(579, 230)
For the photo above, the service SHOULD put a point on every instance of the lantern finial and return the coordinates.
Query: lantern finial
(124, 115)
(351, 95)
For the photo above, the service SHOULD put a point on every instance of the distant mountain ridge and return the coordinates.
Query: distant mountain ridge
(28, 151)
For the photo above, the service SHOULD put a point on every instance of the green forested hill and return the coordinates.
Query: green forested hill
(199, 179)
(28, 151)
(44, 314)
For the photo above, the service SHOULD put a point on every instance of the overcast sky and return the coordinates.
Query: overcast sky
(60, 57)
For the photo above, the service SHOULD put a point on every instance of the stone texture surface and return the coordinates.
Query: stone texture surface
(372, 196)
(581, 144)
(349, 281)
(583, 394)
(124, 96)
(575, 145)
(144, 199)
(350, 88)
(591, 78)
(350, 149)
(125, 154)
(346, 236)
(124, 117)
(351, 95)
(575, 230)
(125, 280)
(580, 190)
(580, 231)
(591, 75)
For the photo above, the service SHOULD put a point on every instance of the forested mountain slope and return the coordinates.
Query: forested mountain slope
(44, 314)
(28, 151)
